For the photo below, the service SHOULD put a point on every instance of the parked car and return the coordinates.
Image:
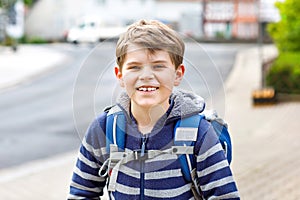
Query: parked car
(93, 30)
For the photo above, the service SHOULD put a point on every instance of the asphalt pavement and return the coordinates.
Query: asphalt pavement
(266, 143)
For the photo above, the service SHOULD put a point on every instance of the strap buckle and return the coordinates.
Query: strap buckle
(139, 155)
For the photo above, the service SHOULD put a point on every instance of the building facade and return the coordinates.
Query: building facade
(240, 19)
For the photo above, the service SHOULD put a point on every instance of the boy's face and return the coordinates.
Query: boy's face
(149, 78)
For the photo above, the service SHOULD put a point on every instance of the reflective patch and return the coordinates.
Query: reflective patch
(186, 134)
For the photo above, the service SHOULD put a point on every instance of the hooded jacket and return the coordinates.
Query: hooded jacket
(159, 177)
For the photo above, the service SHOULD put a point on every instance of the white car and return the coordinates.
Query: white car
(93, 31)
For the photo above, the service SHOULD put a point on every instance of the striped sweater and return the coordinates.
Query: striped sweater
(159, 177)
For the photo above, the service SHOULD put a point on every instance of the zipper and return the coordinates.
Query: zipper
(143, 147)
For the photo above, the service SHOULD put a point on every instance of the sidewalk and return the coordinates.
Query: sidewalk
(42, 179)
(266, 144)
(28, 62)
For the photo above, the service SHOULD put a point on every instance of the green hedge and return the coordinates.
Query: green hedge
(24, 40)
(284, 75)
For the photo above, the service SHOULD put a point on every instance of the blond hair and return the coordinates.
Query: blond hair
(152, 35)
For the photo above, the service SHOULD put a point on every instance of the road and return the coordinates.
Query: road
(50, 114)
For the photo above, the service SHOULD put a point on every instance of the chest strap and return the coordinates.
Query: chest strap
(112, 165)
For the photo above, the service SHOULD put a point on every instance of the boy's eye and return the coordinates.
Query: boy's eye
(158, 66)
(134, 67)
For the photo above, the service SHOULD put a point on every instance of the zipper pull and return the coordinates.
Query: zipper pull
(144, 139)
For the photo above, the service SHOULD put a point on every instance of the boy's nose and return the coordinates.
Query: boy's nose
(147, 74)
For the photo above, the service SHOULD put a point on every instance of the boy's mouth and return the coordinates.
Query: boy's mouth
(147, 88)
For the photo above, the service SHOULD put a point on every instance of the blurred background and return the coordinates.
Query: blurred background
(56, 75)
(48, 20)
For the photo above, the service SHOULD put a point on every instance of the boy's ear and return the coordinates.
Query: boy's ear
(119, 76)
(179, 74)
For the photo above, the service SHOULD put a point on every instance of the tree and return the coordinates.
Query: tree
(7, 3)
(286, 32)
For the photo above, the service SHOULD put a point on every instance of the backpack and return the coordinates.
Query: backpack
(115, 144)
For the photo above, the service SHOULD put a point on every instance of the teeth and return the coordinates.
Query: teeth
(146, 89)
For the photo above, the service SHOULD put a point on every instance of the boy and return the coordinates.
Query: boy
(149, 58)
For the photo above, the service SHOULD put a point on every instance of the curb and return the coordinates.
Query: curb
(36, 166)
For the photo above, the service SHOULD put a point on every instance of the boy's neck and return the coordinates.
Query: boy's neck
(147, 117)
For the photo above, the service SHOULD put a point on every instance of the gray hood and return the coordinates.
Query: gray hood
(185, 103)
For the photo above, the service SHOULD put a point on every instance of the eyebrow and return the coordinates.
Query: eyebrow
(133, 63)
(139, 63)
(159, 61)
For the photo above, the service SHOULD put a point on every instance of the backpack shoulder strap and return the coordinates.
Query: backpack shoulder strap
(187, 128)
(221, 130)
(115, 128)
(185, 134)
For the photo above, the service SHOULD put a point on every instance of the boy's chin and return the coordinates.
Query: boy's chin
(147, 104)
(151, 105)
